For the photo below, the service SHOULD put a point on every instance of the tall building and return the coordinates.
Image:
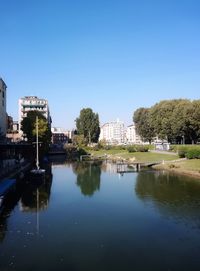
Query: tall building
(33, 103)
(112, 132)
(3, 114)
(131, 136)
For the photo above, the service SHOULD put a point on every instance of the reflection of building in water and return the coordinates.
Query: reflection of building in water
(109, 167)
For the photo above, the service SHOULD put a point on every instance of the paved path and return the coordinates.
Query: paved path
(164, 152)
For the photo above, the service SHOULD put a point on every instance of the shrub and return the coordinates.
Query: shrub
(182, 153)
(138, 148)
(142, 148)
(189, 151)
(131, 149)
(193, 154)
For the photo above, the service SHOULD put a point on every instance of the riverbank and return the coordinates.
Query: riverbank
(182, 166)
(149, 156)
(170, 161)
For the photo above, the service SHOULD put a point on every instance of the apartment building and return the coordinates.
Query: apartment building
(33, 103)
(113, 132)
(131, 136)
(3, 114)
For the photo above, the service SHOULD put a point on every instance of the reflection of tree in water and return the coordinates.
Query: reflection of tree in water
(88, 176)
(26, 193)
(32, 195)
(36, 197)
(173, 195)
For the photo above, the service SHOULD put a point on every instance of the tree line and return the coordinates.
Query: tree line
(87, 128)
(177, 121)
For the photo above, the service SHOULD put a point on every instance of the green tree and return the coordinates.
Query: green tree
(144, 128)
(179, 121)
(28, 126)
(175, 120)
(161, 118)
(87, 124)
(192, 121)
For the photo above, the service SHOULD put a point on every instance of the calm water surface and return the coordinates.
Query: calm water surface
(87, 217)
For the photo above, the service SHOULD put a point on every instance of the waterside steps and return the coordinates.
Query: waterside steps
(6, 186)
(123, 167)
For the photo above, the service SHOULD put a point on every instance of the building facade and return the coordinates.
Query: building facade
(59, 136)
(33, 103)
(131, 136)
(3, 114)
(113, 133)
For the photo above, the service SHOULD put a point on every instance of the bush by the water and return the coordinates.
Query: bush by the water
(190, 152)
(193, 154)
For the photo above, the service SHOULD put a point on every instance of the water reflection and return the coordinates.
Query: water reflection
(35, 197)
(116, 229)
(174, 196)
(8, 204)
(32, 197)
(88, 176)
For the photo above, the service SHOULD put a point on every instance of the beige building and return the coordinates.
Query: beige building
(3, 114)
(131, 136)
(113, 132)
(33, 103)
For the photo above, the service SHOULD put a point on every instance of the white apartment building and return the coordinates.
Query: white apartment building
(131, 136)
(113, 132)
(32, 103)
(3, 114)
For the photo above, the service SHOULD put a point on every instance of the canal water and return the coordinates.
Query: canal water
(87, 217)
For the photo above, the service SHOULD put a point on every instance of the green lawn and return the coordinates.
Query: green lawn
(193, 165)
(139, 156)
(186, 167)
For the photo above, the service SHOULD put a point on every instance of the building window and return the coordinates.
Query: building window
(3, 94)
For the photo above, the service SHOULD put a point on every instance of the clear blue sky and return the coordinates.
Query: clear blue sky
(111, 55)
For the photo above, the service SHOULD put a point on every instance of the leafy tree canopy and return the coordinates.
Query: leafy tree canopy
(87, 124)
(28, 126)
(174, 120)
(143, 124)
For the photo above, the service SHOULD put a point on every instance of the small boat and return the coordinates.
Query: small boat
(37, 172)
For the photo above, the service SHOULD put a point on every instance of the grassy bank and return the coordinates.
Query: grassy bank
(186, 167)
(136, 156)
(190, 167)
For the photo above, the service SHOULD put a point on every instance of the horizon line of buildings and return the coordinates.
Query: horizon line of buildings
(113, 133)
